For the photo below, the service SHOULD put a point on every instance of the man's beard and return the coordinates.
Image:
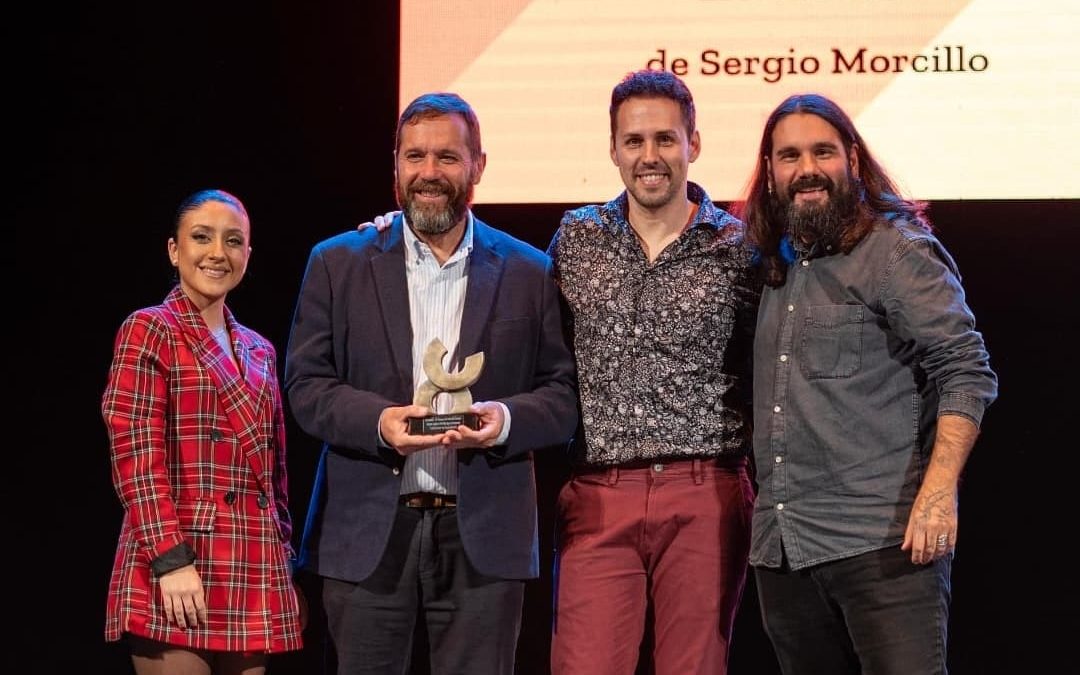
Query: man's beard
(431, 219)
(811, 224)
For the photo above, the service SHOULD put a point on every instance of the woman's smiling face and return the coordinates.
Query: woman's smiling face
(211, 251)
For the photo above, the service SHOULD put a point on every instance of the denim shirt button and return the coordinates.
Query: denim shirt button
(779, 459)
(779, 507)
(806, 263)
(783, 358)
(791, 308)
(776, 409)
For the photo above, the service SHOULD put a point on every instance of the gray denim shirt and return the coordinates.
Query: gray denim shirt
(855, 357)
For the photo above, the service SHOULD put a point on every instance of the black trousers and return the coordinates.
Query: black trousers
(472, 621)
(876, 613)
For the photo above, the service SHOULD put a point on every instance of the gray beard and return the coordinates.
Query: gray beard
(430, 222)
(435, 220)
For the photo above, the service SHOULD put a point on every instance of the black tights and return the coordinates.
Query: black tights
(157, 658)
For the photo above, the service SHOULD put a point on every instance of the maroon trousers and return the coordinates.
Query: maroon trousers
(676, 534)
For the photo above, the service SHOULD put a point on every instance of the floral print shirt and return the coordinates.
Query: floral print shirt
(663, 348)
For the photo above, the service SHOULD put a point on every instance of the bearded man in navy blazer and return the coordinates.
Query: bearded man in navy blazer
(434, 528)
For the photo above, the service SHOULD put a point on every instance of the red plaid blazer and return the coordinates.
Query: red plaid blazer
(198, 457)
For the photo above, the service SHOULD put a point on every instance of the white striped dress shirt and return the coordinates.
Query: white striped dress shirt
(436, 301)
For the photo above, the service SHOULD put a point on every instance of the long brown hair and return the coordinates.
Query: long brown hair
(875, 193)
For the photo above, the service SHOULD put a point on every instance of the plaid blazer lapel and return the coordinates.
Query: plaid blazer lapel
(241, 395)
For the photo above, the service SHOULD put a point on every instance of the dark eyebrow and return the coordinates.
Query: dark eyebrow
(657, 133)
(204, 226)
(816, 146)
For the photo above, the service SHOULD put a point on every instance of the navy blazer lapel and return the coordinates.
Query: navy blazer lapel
(485, 271)
(392, 291)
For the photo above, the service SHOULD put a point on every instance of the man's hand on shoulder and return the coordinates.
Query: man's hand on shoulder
(380, 223)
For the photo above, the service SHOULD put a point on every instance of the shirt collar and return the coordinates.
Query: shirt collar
(707, 214)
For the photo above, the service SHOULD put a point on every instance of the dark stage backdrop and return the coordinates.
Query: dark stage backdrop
(292, 107)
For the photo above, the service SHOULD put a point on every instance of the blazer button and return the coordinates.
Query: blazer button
(397, 471)
(261, 501)
(216, 435)
(230, 497)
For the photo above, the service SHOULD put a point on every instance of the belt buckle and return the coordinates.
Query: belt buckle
(428, 500)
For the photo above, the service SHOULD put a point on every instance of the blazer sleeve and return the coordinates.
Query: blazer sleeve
(546, 415)
(323, 402)
(134, 406)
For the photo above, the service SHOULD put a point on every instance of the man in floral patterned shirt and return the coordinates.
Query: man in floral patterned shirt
(663, 305)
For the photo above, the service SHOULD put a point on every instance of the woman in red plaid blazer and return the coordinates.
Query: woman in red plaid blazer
(202, 577)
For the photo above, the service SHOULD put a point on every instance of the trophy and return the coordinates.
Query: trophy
(455, 385)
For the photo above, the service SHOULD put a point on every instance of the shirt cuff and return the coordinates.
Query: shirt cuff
(505, 433)
(380, 442)
(176, 557)
(965, 405)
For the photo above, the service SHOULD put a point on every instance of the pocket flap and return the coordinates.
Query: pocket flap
(197, 516)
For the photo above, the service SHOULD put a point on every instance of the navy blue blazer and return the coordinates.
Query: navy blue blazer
(350, 356)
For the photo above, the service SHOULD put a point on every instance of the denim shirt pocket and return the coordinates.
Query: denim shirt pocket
(831, 344)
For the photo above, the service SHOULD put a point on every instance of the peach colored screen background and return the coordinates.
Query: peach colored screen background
(539, 74)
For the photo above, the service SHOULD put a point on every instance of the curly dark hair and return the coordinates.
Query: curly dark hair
(654, 84)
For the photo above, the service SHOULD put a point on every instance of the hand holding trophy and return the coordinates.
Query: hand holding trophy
(455, 385)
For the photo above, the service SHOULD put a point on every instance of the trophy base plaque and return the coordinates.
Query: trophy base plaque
(433, 425)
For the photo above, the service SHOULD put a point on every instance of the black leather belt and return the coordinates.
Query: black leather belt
(428, 500)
